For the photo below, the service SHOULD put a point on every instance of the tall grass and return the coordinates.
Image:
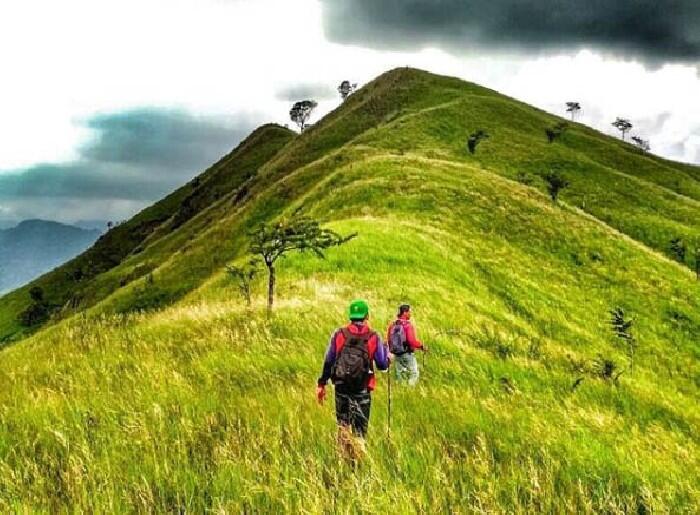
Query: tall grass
(209, 405)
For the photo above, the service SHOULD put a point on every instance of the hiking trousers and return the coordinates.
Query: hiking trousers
(352, 410)
(407, 367)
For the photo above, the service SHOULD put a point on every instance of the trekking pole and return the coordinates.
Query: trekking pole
(388, 404)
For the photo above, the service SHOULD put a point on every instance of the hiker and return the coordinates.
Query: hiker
(402, 345)
(353, 352)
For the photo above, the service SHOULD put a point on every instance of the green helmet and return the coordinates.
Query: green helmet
(359, 310)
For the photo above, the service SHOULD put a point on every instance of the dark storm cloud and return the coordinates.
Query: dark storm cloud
(76, 180)
(135, 157)
(306, 91)
(160, 138)
(653, 31)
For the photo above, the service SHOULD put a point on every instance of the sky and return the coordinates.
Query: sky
(105, 106)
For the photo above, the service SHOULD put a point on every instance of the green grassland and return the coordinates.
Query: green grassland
(166, 393)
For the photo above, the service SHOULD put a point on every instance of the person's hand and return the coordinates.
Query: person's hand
(320, 393)
(392, 357)
(424, 348)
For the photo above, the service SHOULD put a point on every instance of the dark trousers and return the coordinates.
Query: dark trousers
(352, 409)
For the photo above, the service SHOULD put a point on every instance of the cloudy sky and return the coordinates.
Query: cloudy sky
(107, 105)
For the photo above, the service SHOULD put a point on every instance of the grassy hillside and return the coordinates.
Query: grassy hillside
(206, 405)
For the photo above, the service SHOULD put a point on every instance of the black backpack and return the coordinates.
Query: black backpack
(352, 365)
(398, 344)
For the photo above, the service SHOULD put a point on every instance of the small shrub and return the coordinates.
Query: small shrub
(555, 132)
(34, 314)
(678, 249)
(244, 276)
(622, 328)
(606, 369)
(475, 138)
(555, 183)
(38, 311)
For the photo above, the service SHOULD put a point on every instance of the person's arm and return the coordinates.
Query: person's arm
(411, 338)
(328, 361)
(381, 354)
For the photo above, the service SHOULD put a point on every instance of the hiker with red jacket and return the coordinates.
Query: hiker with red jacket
(352, 354)
(402, 345)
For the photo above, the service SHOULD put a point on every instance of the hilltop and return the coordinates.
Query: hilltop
(157, 388)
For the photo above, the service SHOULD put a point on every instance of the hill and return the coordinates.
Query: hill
(34, 247)
(166, 393)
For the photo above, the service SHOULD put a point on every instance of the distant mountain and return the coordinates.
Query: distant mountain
(35, 247)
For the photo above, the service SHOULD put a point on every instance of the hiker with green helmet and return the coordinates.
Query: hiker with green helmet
(403, 342)
(353, 352)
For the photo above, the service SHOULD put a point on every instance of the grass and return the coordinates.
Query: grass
(201, 404)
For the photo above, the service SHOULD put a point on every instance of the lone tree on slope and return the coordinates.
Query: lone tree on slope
(301, 111)
(642, 144)
(573, 108)
(346, 89)
(475, 138)
(271, 242)
(555, 183)
(623, 125)
(553, 133)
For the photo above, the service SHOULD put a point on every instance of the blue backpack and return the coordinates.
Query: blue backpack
(398, 344)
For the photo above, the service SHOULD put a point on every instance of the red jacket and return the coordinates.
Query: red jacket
(378, 354)
(413, 342)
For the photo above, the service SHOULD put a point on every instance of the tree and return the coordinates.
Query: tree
(346, 89)
(475, 138)
(573, 108)
(678, 248)
(623, 125)
(555, 131)
(642, 144)
(303, 234)
(301, 111)
(244, 276)
(697, 262)
(38, 311)
(555, 183)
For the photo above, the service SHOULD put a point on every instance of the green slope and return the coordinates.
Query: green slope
(204, 405)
